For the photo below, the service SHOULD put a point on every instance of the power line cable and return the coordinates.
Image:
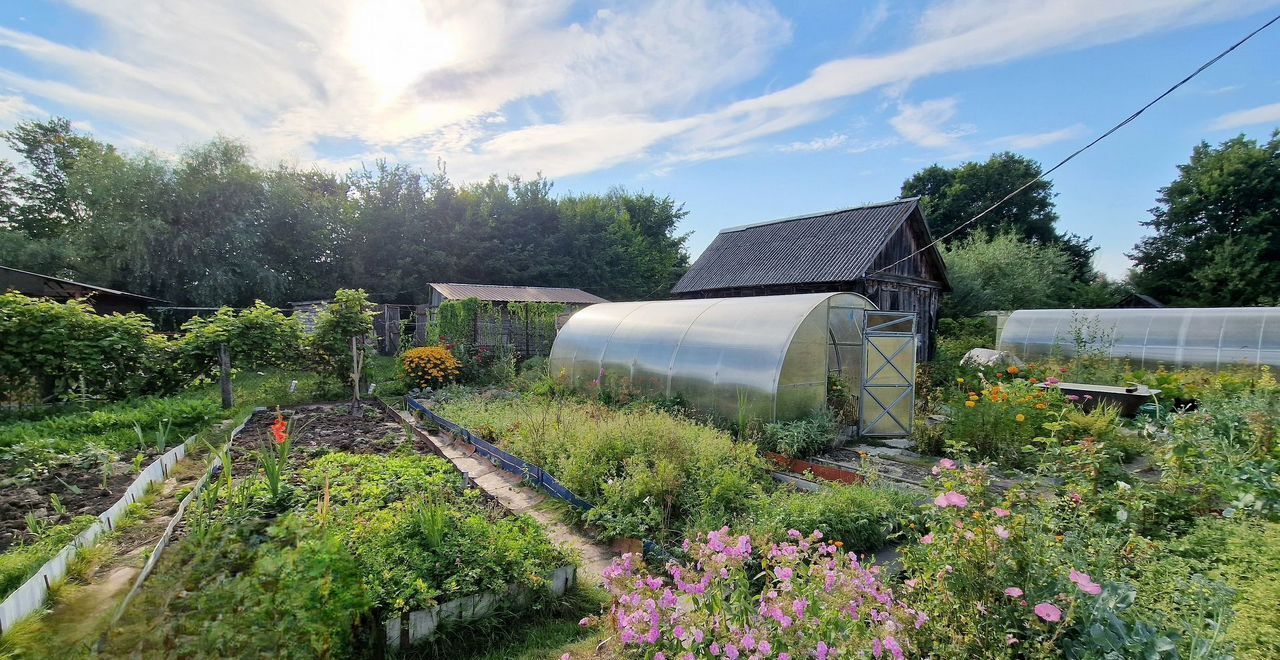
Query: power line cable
(1081, 150)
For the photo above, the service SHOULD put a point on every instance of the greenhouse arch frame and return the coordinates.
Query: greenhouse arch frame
(763, 357)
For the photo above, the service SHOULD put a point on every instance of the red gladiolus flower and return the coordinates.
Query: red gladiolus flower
(280, 429)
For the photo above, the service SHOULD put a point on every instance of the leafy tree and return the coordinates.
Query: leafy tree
(952, 196)
(1004, 272)
(51, 150)
(1216, 238)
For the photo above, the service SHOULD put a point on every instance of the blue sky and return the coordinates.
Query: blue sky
(744, 110)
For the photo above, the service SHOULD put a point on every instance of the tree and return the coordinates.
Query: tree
(1216, 238)
(1004, 272)
(51, 149)
(952, 196)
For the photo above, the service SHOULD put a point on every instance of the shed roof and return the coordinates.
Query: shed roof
(503, 293)
(834, 246)
(50, 286)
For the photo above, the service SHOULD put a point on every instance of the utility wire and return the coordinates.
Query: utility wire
(1081, 150)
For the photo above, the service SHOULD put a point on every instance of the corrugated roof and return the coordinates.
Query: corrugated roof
(503, 293)
(102, 289)
(833, 246)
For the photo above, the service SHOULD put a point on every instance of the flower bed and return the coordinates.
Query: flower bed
(350, 522)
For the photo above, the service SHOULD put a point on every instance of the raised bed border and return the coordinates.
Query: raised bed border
(412, 627)
(31, 596)
(828, 472)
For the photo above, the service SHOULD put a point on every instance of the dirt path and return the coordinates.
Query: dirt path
(509, 489)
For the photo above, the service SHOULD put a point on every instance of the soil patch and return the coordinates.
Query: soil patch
(319, 430)
(78, 486)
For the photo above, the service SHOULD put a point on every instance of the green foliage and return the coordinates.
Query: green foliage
(259, 336)
(1004, 272)
(456, 324)
(110, 426)
(19, 563)
(648, 473)
(67, 351)
(347, 317)
(800, 438)
(1216, 241)
(861, 517)
(952, 196)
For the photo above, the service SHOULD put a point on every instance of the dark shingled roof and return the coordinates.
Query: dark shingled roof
(502, 293)
(836, 246)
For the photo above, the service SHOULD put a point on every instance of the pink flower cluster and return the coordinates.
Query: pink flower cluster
(810, 600)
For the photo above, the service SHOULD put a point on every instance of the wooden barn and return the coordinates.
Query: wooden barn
(868, 250)
(102, 299)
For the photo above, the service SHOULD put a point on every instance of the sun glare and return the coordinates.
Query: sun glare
(394, 43)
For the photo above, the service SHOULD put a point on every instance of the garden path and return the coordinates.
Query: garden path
(509, 490)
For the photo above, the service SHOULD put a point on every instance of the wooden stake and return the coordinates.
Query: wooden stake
(224, 376)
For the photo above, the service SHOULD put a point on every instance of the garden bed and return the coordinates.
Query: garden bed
(360, 527)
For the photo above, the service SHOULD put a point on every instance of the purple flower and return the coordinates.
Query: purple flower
(1086, 583)
(947, 464)
(731, 652)
(1002, 532)
(926, 539)
(821, 652)
(1013, 592)
(785, 574)
(1049, 612)
(1000, 513)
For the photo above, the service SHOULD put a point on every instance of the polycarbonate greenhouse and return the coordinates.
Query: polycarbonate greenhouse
(1213, 337)
(767, 356)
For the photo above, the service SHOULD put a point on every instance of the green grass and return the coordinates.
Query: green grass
(19, 563)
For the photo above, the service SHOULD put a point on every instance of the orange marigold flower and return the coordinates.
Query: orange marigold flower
(1021, 418)
(1012, 370)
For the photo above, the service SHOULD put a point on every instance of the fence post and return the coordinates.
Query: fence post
(224, 376)
(420, 327)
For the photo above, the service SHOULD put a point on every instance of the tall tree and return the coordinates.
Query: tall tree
(952, 196)
(1216, 238)
(1005, 272)
(51, 149)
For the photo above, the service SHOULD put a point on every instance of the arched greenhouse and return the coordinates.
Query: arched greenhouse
(1214, 337)
(768, 356)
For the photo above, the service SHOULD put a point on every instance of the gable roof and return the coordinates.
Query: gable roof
(503, 293)
(835, 246)
(48, 286)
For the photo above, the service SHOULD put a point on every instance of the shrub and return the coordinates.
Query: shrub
(999, 420)
(802, 437)
(1019, 574)
(811, 600)
(432, 366)
(347, 317)
(861, 517)
(65, 350)
(648, 473)
(259, 336)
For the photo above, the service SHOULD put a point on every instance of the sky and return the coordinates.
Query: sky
(742, 110)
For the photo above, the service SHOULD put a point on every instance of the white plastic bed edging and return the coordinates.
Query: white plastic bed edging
(421, 624)
(177, 518)
(31, 596)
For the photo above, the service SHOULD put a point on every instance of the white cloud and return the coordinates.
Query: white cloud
(516, 85)
(14, 109)
(1024, 141)
(1265, 114)
(928, 124)
(816, 144)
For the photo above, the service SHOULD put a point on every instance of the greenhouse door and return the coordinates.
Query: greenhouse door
(887, 399)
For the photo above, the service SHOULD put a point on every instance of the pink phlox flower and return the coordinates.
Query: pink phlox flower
(877, 648)
(697, 635)
(892, 644)
(748, 642)
(1013, 592)
(659, 656)
(951, 498)
(1000, 513)
(714, 648)
(1002, 532)
(821, 651)
(1072, 397)
(731, 652)
(799, 607)
(783, 573)
(1049, 612)
(947, 464)
(793, 533)
(765, 647)
(927, 539)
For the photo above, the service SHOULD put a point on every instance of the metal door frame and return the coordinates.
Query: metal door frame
(880, 327)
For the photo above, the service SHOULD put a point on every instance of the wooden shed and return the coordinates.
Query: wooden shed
(102, 299)
(874, 250)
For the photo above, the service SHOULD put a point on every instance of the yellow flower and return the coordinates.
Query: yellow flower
(960, 380)
(1021, 418)
(973, 397)
(969, 404)
(1041, 406)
